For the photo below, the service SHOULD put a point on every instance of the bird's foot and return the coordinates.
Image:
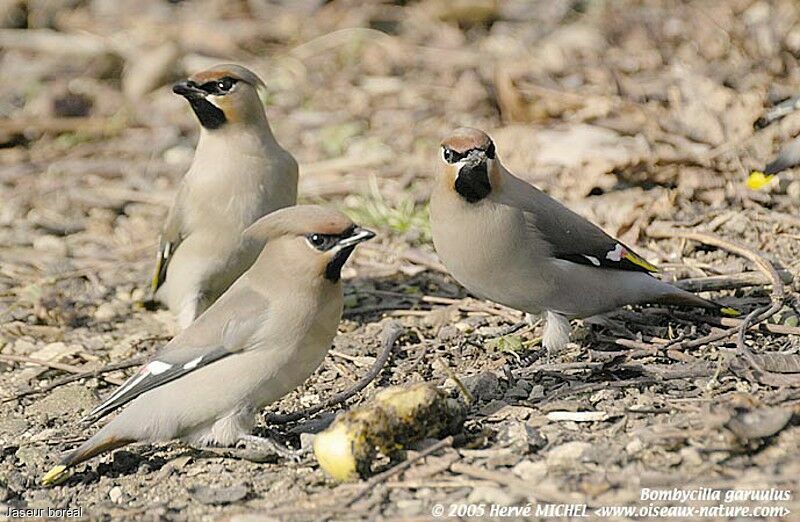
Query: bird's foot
(265, 447)
(529, 359)
(255, 449)
(528, 322)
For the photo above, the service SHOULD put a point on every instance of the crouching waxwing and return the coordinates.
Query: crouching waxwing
(507, 241)
(239, 174)
(266, 334)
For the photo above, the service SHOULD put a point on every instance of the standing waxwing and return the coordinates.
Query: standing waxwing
(509, 242)
(260, 340)
(239, 174)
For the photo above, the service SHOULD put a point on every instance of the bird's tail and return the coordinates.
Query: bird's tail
(680, 297)
(96, 445)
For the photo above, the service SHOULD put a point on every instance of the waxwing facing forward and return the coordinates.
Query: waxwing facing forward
(239, 174)
(509, 242)
(261, 339)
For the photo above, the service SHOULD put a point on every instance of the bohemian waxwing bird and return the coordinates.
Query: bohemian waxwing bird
(239, 174)
(260, 340)
(507, 241)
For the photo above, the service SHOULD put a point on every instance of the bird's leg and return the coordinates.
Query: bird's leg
(556, 333)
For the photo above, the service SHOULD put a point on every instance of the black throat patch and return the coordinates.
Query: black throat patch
(472, 183)
(210, 116)
(333, 272)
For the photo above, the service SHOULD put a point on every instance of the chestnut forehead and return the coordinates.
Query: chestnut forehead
(312, 219)
(213, 75)
(465, 142)
(333, 227)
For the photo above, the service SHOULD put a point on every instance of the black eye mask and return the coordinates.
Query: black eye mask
(323, 242)
(219, 87)
(452, 156)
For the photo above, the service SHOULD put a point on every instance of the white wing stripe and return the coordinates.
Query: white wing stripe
(123, 389)
(593, 260)
(193, 363)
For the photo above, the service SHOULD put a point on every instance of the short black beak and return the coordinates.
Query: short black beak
(188, 89)
(359, 235)
(475, 157)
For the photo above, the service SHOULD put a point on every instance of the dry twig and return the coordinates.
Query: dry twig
(779, 329)
(78, 373)
(760, 314)
(122, 365)
(729, 281)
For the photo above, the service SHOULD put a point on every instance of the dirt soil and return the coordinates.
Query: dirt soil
(640, 115)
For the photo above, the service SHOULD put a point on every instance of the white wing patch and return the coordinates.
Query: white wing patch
(193, 363)
(593, 260)
(157, 367)
(617, 254)
(154, 368)
(122, 389)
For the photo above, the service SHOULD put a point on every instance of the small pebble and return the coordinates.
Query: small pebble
(307, 441)
(115, 494)
(105, 312)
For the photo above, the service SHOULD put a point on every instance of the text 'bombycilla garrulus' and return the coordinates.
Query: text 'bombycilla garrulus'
(239, 174)
(259, 341)
(509, 242)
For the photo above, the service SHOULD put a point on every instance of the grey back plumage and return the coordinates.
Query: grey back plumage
(570, 236)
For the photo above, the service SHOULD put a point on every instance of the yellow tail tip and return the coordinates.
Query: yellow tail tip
(636, 260)
(55, 475)
(731, 312)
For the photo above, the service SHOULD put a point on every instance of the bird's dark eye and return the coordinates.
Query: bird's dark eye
(226, 84)
(449, 155)
(321, 242)
(317, 240)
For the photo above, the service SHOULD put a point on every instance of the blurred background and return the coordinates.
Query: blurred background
(625, 99)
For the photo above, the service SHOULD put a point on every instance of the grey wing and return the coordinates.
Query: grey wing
(171, 237)
(571, 236)
(220, 332)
